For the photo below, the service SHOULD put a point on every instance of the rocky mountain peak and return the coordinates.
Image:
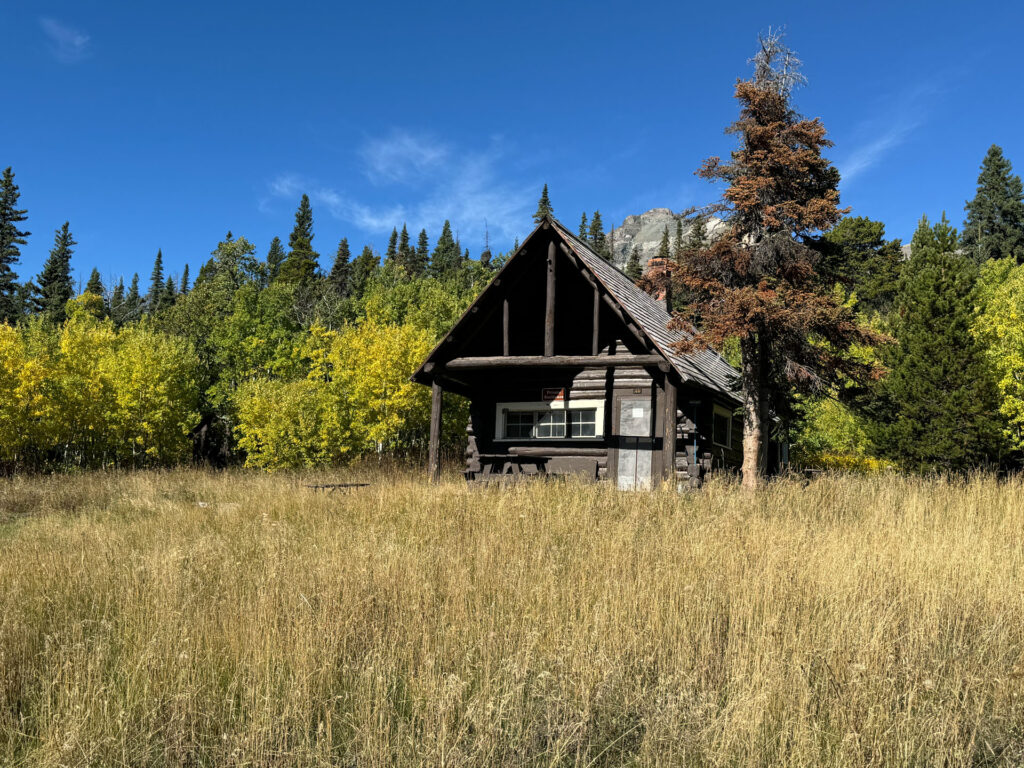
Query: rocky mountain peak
(645, 230)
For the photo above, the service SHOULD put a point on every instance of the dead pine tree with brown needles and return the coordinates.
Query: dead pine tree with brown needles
(759, 281)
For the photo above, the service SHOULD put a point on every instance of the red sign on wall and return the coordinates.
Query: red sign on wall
(552, 394)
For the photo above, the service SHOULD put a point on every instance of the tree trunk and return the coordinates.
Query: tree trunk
(755, 411)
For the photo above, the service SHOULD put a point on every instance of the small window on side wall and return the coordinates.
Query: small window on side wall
(721, 427)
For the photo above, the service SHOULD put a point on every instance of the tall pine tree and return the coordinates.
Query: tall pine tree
(184, 281)
(170, 292)
(364, 268)
(95, 284)
(275, 257)
(11, 300)
(856, 252)
(341, 270)
(758, 281)
(634, 270)
(596, 236)
(405, 251)
(664, 250)
(698, 234)
(543, 207)
(584, 231)
(132, 302)
(155, 297)
(392, 252)
(54, 282)
(445, 262)
(994, 227)
(300, 265)
(421, 257)
(117, 302)
(939, 404)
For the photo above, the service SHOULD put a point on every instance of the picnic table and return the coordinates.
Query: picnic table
(332, 487)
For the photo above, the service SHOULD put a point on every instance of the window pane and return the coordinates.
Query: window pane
(720, 429)
(518, 424)
(584, 422)
(551, 424)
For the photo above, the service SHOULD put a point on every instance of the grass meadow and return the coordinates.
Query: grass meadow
(193, 618)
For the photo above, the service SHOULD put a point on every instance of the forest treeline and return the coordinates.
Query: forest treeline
(280, 360)
(269, 360)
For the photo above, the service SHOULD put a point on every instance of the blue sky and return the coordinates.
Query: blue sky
(164, 125)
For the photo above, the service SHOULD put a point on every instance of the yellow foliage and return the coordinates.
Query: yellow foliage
(1000, 327)
(862, 464)
(154, 379)
(356, 398)
(373, 363)
(85, 395)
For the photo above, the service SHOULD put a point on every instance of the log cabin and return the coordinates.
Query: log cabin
(570, 368)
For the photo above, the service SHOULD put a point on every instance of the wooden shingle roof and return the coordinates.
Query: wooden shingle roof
(706, 367)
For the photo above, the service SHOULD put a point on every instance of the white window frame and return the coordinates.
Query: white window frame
(556, 405)
(722, 411)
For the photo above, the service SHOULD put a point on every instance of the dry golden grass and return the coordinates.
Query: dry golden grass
(855, 621)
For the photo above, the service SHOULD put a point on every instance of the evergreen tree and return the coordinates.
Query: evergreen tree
(584, 232)
(596, 236)
(634, 270)
(405, 252)
(485, 255)
(364, 267)
(275, 257)
(856, 254)
(54, 285)
(300, 265)
(95, 284)
(132, 302)
(757, 282)
(11, 294)
(117, 302)
(392, 252)
(664, 252)
(940, 402)
(154, 299)
(994, 227)
(170, 292)
(677, 244)
(697, 237)
(447, 255)
(341, 270)
(184, 280)
(543, 207)
(421, 256)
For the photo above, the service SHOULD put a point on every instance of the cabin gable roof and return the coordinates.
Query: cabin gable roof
(705, 368)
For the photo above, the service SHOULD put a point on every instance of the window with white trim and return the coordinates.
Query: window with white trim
(573, 420)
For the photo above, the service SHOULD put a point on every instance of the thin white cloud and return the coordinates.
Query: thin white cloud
(67, 44)
(868, 155)
(402, 158)
(905, 113)
(464, 187)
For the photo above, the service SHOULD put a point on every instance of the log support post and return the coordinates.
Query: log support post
(549, 304)
(596, 341)
(434, 451)
(504, 327)
(668, 459)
